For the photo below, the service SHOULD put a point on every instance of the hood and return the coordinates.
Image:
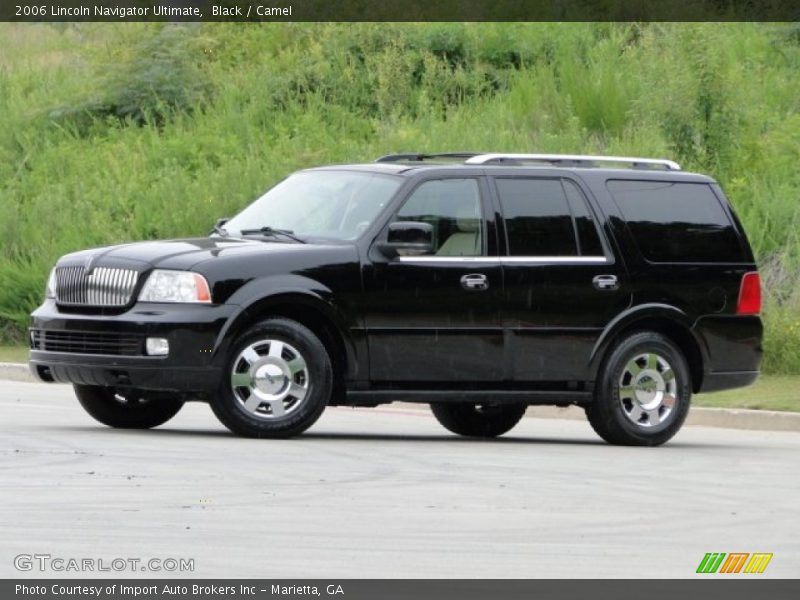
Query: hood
(171, 254)
(230, 265)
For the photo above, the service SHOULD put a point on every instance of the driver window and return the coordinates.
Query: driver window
(453, 208)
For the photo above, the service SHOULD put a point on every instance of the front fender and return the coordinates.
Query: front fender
(259, 295)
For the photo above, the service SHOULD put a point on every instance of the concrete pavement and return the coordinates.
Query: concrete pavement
(387, 493)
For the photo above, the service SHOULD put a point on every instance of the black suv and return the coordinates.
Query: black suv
(478, 283)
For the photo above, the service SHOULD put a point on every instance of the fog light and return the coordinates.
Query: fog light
(157, 346)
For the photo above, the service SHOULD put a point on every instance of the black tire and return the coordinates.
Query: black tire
(613, 416)
(229, 405)
(478, 420)
(130, 409)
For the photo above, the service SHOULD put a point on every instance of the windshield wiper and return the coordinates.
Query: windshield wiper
(273, 232)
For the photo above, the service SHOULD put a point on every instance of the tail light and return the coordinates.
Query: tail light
(749, 295)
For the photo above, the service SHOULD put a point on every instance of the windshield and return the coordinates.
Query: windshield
(325, 204)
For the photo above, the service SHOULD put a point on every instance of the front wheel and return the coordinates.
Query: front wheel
(129, 409)
(278, 381)
(478, 420)
(643, 394)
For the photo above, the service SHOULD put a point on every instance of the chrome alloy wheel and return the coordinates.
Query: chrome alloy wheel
(270, 379)
(647, 390)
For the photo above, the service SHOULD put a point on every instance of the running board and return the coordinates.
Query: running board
(557, 397)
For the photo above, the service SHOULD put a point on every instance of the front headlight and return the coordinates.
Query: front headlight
(175, 286)
(50, 290)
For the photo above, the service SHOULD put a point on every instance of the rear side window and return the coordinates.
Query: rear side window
(677, 222)
(537, 217)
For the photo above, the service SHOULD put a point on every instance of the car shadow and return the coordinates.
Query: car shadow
(331, 436)
(508, 439)
(444, 438)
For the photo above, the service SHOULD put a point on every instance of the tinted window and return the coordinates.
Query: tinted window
(453, 207)
(537, 217)
(677, 222)
(588, 237)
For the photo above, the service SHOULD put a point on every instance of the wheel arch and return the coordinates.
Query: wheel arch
(667, 320)
(309, 309)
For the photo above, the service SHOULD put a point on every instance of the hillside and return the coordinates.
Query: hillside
(115, 132)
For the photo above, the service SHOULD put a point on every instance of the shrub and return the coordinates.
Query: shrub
(147, 81)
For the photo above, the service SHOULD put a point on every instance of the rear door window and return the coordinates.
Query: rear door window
(677, 221)
(537, 217)
(547, 218)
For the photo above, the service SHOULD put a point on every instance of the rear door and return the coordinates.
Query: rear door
(563, 284)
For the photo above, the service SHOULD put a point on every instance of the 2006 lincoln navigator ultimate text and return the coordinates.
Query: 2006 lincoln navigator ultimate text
(478, 283)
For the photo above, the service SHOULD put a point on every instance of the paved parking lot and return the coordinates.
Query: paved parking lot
(388, 493)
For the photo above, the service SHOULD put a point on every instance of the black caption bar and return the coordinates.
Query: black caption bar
(398, 10)
(393, 589)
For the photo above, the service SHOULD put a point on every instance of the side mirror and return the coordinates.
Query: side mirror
(218, 225)
(408, 238)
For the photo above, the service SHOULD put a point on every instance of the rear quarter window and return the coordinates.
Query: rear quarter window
(677, 221)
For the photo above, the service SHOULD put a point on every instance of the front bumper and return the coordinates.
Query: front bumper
(193, 332)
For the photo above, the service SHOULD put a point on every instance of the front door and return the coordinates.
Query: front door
(436, 318)
(562, 283)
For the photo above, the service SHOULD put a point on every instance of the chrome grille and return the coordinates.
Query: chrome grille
(103, 287)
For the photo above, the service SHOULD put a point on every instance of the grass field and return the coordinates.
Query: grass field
(13, 354)
(114, 132)
(770, 392)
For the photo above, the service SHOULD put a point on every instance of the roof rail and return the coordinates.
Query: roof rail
(573, 160)
(421, 156)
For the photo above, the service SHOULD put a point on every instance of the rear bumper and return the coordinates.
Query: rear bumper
(732, 349)
(716, 382)
(192, 331)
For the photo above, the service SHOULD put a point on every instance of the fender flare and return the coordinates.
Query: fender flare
(641, 312)
(258, 295)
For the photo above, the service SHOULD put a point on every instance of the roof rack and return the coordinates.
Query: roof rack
(573, 160)
(421, 156)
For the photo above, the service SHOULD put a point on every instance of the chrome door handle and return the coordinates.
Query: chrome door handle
(605, 282)
(475, 282)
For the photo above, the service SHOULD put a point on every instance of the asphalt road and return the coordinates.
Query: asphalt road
(387, 493)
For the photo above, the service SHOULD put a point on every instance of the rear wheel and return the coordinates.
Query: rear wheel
(644, 392)
(129, 409)
(485, 420)
(278, 381)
